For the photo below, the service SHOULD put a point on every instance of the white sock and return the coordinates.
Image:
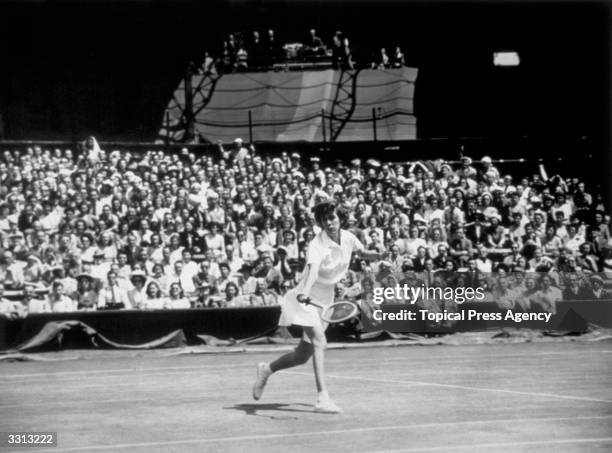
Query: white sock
(323, 395)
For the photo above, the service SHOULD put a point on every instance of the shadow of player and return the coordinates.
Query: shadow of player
(256, 409)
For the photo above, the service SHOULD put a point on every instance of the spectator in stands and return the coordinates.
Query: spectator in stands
(137, 295)
(314, 45)
(575, 289)
(32, 303)
(398, 60)
(272, 48)
(384, 62)
(262, 297)
(242, 60)
(230, 50)
(547, 296)
(11, 272)
(154, 299)
(86, 296)
(112, 296)
(176, 299)
(256, 51)
(193, 220)
(597, 290)
(232, 297)
(203, 298)
(58, 301)
(8, 308)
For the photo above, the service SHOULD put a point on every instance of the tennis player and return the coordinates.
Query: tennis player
(327, 261)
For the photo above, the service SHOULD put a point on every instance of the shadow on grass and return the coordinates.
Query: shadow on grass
(260, 409)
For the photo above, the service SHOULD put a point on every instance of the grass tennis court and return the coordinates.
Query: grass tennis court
(552, 397)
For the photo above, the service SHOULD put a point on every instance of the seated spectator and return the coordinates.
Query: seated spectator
(575, 289)
(11, 272)
(137, 294)
(384, 62)
(158, 213)
(8, 308)
(32, 303)
(262, 296)
(597, 290)
(112, 296)
(232, 297)
(58, 301)
(176, 298)
(505, 296)
(154, 299)
(398, 60)
(86, 296)
(314, 45)
(547, 296)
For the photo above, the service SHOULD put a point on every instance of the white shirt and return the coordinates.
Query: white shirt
(333, 258)
(65, 304)
(38, 306)
(412, 246)
(114, 294)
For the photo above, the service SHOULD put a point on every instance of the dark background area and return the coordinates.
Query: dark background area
(109, 68)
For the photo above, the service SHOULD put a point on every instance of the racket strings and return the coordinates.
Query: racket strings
(340, 311)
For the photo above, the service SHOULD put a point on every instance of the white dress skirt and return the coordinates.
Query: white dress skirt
(306, 315)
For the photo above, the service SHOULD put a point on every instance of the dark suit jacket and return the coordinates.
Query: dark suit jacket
(477, 237)
(582, 294)
(418, 265)
(133, 254)
(189, 240)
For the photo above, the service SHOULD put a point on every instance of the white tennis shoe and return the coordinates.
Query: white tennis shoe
(263, 373)
(325, 405)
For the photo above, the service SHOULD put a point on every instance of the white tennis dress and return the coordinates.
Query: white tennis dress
(333, 260)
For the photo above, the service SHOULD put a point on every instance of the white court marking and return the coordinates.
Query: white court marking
(74, 403)
(192, 398)
(455, 386)
(524, 443)
(102, 373)
(256, 437)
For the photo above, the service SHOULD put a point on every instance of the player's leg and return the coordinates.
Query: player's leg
(298, 356)
(316, 334)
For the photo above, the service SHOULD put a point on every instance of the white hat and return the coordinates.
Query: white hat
(486, 160)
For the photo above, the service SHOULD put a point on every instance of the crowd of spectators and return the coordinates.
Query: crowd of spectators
(96, 229)
(242, 52)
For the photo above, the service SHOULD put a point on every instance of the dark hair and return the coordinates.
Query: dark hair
(326, 209)
(158, 293)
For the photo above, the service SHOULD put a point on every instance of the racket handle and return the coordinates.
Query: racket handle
(315, 304)
(306, 300)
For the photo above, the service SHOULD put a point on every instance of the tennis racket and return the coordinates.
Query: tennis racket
(336, 312)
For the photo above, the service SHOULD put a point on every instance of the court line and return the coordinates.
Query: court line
(455, 386)
(72, 403)
(193, 398)
(320, 433)
(178, 373)
(453, 359)
(497, 444)
(118, 370)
